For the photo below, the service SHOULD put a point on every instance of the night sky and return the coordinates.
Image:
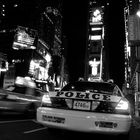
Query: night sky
(115, 41)
(75, 27)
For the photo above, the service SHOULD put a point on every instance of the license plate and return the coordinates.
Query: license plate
(81, 105)
(53, 119)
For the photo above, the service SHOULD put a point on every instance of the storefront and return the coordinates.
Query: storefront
(30, 56)
(3, 67)
(31, 63)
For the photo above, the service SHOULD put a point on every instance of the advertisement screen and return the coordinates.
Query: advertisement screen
(24, 38)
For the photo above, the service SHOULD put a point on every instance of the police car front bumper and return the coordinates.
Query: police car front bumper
(84, 121)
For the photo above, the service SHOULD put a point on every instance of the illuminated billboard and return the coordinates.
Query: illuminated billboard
(96, 16)
(134, 30)
(24, 38)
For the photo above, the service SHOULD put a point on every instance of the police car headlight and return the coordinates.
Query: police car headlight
(122, 105)
(69, 102)
(46, 100)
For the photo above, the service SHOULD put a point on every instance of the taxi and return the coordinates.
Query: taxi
(21, 98)
(86, 106)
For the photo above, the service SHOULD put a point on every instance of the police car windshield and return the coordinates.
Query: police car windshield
(100, 87)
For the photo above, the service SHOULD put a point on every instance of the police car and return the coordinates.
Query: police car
(85, 106)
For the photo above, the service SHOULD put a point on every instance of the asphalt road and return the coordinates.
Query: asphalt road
(20, 127)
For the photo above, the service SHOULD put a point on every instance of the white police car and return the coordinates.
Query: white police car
(85, 106)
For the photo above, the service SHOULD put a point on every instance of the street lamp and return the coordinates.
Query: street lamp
(138, 11)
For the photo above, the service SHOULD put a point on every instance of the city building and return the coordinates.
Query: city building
(35, 47)
(95, 43)
(3, 67)
(132, 53)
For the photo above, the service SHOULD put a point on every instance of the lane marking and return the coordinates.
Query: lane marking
(34, 130)
(13, 121)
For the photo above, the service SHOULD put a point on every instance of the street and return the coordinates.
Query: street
(20, 127)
